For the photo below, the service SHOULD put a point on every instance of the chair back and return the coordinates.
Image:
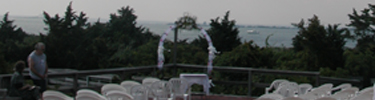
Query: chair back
(88, 97)
(162, 89)
(148, 81)
(287, 91)
(346, 94)
(342, 87)
(55, 95)
(327, 98)
(112, 87)
(118, 95)
(87, 93)
(275, 84)
(365, 94)
(178, 85)
(129, 84)
(52, 97)
(139, 92)
(304, 88)
(321, 91)
(292, 98)
(327, 88)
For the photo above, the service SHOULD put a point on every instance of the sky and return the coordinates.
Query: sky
(248, 12)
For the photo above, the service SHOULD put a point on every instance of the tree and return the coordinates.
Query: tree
(124, 36)
(360, 64)
(64, 42)
(10, 32)
(224, 35)
(324, 46)
(14, 48)
(364, 25)
(245, 55)
(124, 30)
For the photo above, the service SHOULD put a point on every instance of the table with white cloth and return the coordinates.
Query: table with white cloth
(200, 79)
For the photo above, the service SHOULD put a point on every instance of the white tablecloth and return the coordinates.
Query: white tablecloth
(200, 79)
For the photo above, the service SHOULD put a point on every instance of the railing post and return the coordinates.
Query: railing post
(1, 82)
(75, 82)
(123, 74)
(317, 79)
(249, 83)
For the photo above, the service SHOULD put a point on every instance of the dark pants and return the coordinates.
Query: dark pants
(41, 83)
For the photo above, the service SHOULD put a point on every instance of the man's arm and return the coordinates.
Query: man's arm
(32, 69)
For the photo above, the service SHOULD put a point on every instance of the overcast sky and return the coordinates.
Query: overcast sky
(254, 12)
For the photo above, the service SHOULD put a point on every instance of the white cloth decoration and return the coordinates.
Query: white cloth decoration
(211, 49)
(161, 47)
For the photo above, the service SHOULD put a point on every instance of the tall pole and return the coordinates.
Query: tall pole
(175, 51)
(175, 46)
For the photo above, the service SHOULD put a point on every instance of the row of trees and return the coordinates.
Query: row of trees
(72, 42)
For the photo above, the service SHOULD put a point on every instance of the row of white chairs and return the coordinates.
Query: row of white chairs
(130, 90)
(286, 90)
(159, 89)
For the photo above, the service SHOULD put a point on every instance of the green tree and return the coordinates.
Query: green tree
(64, 42)
(124, 30)
(245, 55)
(224, 35)
(96, 50)
(124, 35)
(14, 48)
(364, 27)
(360, 64)
(15, 44)
(324, 47)
(10, 32)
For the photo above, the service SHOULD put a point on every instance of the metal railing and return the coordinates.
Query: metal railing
(5, 78)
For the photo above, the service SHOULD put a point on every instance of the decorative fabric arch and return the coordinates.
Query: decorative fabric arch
(211, 48)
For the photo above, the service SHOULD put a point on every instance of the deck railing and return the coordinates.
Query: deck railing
(5, 78)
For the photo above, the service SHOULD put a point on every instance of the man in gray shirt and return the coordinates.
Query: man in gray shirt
(37, 61)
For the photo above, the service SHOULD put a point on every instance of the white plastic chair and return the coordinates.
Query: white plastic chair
(363, 97)
(326, 88)
(365, 94)
(112, 87)
(275, 84)
(162, 90)
(55, 95)
(265, 99)
(129, 84)
(309, 96)
(345, 94)
(327, 98)
(292, 98)
(87, 93)
(270, 97)
(178, 86)
(366, 90)
(88, 97)
(304, 88)
(342, 87)
(287, 90)
(148, 81)
(139, 92)
(321, 91)
(118, 95)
